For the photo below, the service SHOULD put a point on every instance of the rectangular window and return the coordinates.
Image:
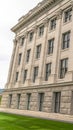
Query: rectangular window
(25, 76)
(66, 40)
(50, 46)
(19, 58)
(53, 24)
(38, 51)
(31, 36)
(48, 71)
(57, 100)
(10, 100)
(63, 67)
(17, 75)
(28, 55)
(41, 100)
(18, 100)
(35, 74)
(68, 15)
(22, 41)
(41, 30)
(28, 101)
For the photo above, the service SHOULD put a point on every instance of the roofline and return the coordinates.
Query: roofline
(40, 7)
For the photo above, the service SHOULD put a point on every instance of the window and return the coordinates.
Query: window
(18, 100)
(10, 100)
(17, 74)
(50, 46)
(28, 55)
(53, 24)
(41, 100)
(22, 41)
(25, 75)
(41, 30)
(19, 58)
(28, 101)
(38, 51)
(66, 40)
(48, 71)
(68, 15)
(31, 36)
(63, 67)
(35, 74)
(57, 100)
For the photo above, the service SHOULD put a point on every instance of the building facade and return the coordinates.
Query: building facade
(41, 70)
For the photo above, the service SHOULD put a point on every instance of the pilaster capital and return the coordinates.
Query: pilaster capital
(59, 14)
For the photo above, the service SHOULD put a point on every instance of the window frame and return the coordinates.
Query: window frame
(48, 71)
(50, 46)
(63, 67)
(38, 51)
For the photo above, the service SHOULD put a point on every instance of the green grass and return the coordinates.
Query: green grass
(16, 122)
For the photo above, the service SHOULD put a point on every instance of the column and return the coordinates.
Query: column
(11, 63)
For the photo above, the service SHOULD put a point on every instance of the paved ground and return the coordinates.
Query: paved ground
(51, 116)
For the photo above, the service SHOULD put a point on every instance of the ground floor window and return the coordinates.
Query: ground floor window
(18, 100)
(10, 100)
(28, 100)
(57, 101)
(41, 100)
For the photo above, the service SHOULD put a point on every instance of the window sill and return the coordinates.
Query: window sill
(64, 23)
(63, 50)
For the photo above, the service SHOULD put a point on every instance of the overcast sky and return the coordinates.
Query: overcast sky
(10, 12)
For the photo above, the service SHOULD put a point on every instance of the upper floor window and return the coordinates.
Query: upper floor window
(53, 24)
(25, 75)
(38, 51)
(63, 67)
(50, 46)
(17, 75)
(35, 73)
(66, 40)
(68, 15)
(31, 36)
(48, 71)
(28, 55)
(41, 30)
(19, 58)
(22, 41)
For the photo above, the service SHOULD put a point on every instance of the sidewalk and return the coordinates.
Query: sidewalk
(43, 115)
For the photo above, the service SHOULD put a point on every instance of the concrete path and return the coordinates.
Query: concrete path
(43, 115)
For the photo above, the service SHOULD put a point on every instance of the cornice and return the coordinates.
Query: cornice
(34, 12)
(64, 84)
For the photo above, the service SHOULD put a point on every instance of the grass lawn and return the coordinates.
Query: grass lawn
(16, 122)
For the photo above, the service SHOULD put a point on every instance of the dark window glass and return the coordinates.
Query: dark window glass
(57, 100)
(41, 100)
(38, 51)
(68, 15)
(22, 41)
(53, 23)
(10, 100)
(35, 74)
(66, 40)
(28, 101)
(18, 100)
(50, 46)
(17, 74)
(31, 36)
(41, 30)
(25, 75)
(48, 71)
(28, 55)
(63, 67)
(19, 58)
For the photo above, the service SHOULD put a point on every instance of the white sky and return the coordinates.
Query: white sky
(10, 12)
